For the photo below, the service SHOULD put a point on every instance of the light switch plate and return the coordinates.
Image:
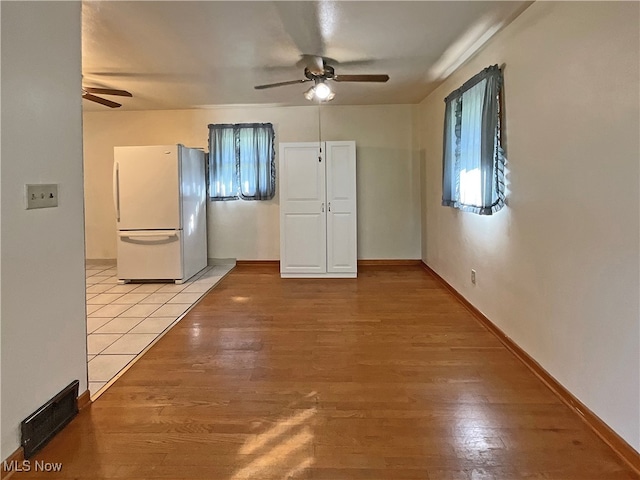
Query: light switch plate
(42, 195)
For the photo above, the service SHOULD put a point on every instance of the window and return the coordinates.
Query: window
(473, 159)
(242, 161)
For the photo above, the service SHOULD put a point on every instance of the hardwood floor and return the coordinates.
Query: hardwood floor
(383, 377)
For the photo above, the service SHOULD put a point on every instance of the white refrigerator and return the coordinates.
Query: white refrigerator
(160, 201)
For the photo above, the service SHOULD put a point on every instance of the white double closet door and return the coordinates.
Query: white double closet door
(318, 225)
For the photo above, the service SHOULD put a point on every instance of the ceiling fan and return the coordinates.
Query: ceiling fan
(318, 72)
(87, 93)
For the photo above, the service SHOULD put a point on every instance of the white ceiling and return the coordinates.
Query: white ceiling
(175, 55)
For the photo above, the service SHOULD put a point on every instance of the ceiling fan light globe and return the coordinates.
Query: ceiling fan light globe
(310, 93)
(322, 91)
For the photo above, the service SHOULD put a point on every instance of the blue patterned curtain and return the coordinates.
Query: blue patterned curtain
(222, 163)
(242, 161)
(473, 159)
(257, 156)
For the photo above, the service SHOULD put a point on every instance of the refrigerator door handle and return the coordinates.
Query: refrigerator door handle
(116, 189)
(147, 235)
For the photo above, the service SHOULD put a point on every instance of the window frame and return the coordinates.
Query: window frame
(490, 120)
(270, 165)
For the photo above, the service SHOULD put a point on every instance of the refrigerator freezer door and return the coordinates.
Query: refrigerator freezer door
(150, 255)
(194, 214)
(147, 187)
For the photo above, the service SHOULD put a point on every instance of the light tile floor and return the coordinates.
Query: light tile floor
(123, 320)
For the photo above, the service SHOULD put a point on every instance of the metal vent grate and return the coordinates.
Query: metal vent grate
(44, 423)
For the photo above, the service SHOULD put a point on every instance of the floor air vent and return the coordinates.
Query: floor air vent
(44, 423)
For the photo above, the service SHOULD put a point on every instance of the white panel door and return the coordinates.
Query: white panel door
(302, 209)
(341, 207)
(146, 188)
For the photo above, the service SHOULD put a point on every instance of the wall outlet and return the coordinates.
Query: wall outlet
(41, 195)
(473, 276)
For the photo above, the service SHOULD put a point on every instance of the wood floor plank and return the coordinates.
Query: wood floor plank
(386, 376)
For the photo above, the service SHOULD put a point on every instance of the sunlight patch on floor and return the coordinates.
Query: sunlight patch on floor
(284, 451)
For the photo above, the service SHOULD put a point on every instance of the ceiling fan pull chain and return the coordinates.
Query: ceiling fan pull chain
(319, 134)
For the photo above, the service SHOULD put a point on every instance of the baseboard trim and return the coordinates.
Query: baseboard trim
(390, 262)
(17, 457)
(625, 451)
(319, 276)
(83, 399)
(99, 262)
(258, 263)
(211, 262)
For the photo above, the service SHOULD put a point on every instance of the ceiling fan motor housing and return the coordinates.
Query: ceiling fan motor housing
(328, 73)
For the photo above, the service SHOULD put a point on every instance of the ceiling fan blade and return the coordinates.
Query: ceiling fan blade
(281, 84)
(107, 91)
(102, 101)
(361, 78)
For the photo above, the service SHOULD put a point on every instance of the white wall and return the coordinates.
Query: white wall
(388, 179)
(42, 312)
(558, 268)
